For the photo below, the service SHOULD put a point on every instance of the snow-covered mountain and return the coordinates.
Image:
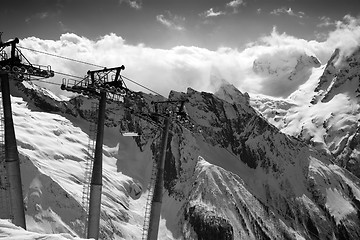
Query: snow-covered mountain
(230, 176)
(290, 73)
(324, 111)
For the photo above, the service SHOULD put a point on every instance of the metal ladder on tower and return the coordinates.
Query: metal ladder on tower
(5, 203)
(149, 201)
(89, 165)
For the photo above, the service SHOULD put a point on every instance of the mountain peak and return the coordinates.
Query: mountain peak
(275, 186)
(231, 94)
(341, 75)
(266, 66)
(331, 122)
(288, 72)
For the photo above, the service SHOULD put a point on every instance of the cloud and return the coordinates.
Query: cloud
(346, 36)
(136, 4)
(159, 69)
(235, 4)
(211, 13)
(180, 67)
(287, 11)
(171, 21)
(40, 15)
(325, 22)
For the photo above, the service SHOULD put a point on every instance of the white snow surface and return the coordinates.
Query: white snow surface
(326, 118)
(53, 150)
(11, 232)
(233, 169)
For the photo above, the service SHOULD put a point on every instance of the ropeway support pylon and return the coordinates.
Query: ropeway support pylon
(89, 166)
(15, 66)
(152, 216)
(105, 84)
(150, 190)
(5, 203)
(153, 226)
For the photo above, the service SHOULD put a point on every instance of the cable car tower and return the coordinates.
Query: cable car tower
(166, 112)
(105, 84)
(13, 66)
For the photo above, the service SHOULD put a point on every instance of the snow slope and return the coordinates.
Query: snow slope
(324, 111)
(11, 232)
(279, 69)
(230, 176)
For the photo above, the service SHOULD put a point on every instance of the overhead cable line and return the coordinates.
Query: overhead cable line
(65, 74)
(43, 81)
(141, 85)
(87, 63)
(68, 75)
(58, 56)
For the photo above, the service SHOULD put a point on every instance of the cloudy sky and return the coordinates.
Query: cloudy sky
(183, 43)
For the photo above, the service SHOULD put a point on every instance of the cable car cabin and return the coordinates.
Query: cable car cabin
(127, 133)
(125, 129)
(130, 134)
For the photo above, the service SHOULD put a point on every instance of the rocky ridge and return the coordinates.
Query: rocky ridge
(232, 176)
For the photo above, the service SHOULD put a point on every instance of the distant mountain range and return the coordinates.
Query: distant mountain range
(324, 111)
(242, 167)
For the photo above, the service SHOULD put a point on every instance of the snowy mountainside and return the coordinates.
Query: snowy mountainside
(10, 231)
(290, 73)
(232, 176)
(278, 172)
(341, 75)
(324, 111)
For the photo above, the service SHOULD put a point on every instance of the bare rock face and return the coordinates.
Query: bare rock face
(341, 74)
(283, 179)
(231, 175)
(208, 224)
